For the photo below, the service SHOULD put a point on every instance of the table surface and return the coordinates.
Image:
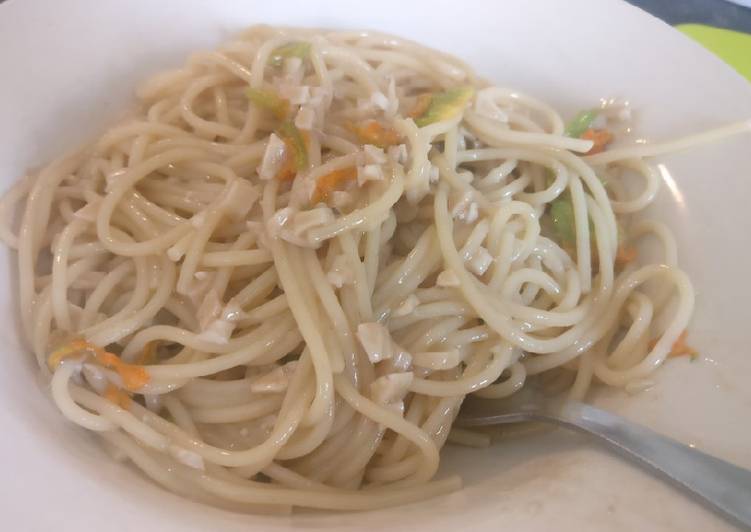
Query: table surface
(722, 27)
(718, 13)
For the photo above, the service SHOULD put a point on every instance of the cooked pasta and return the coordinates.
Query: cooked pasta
(274, 283)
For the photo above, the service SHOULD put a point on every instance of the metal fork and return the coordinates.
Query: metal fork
(722, 485)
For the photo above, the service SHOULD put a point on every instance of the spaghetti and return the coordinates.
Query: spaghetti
(273, 285)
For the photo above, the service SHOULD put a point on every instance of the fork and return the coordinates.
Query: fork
(722, 485)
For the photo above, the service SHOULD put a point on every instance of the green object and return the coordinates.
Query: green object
(269, 100)
(292, 136)
(733, 47)
(445, 104)
(561, 209)
(562, 215)
(580, 124)
(299, 49)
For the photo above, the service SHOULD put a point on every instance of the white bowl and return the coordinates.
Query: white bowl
(69, 68)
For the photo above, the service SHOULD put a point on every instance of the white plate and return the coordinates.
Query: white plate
(68, 69)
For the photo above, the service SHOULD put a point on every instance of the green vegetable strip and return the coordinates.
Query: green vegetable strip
(562, 215)
(299, 49)
(561, 208)
(580, 124)
(270, 101)
(445, 104)
(293, 138)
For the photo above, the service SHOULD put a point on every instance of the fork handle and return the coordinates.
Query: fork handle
(725, 486)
